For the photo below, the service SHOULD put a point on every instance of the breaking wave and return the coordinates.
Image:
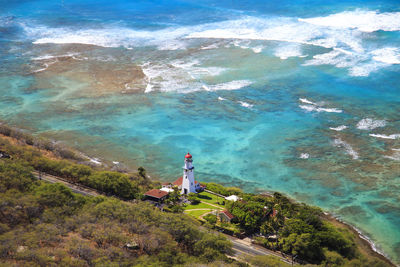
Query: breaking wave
(365, 21)
(383, 136)
(370, 124)
(311, 106)
(339, 128)
(348, 148)
(342, 32)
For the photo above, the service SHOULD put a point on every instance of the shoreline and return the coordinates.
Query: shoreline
(366, 246)
(364, 243)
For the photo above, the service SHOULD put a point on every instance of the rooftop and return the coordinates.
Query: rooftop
(228, 214)
(156, 193)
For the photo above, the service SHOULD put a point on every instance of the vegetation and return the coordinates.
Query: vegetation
(211, 198)
(296, 229)
(197, 213)
(266, 261)
(46, 225)
(222, 190)
(122, 185)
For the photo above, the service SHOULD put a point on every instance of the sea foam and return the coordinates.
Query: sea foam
(363, 20)
(339, 128)
(245, 104)
(311, 106)
(291, 50)
(370, 124)
(343, 32)
(384, 136)
(348, 148)
(304, 156)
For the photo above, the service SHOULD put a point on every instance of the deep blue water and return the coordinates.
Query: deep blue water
(299, 97)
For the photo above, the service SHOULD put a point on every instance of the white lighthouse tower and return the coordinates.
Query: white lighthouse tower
(188, 183)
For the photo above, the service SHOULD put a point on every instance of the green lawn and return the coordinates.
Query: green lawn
(201, 206)
(197, 213)
(210, 198)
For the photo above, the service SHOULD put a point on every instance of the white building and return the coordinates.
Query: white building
(233, 198)
(188, 183)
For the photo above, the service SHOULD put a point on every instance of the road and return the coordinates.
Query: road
(240, 247)
(83, 190)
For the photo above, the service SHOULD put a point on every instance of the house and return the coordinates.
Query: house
(156, 195)
(233, 198)
(225, 216)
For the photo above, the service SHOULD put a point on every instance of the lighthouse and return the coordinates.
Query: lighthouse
(188, 183)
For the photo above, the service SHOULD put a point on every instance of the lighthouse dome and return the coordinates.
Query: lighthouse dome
(188, 156)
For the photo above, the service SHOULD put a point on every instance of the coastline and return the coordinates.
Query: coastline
(364, 243)
(366, 246)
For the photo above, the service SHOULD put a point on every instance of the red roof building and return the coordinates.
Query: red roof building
(226, 216)
(156, 194)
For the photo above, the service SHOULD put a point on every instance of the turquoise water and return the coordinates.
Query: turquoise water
(300, 98)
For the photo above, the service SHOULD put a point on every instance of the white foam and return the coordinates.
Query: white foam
(221, 98)
(112, 36)
(388, 55)
(46, 57)
(233, 85)
(365, 21)
(384, 136)
(348, 148)
(370, 124)
(320, 109)
(395, 155)
(183, 76)
(339, 128)
(286, 51)
(343, 32)
(95, 161)
(115, 162)
(245, 104)
(306, 101)
(304, 156)
(257, 49)
(208, 47)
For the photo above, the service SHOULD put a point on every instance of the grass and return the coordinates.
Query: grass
(210, 198)
(201, 206)
(197, 213)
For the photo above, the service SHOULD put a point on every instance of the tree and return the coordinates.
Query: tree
(304, 245)
(142, 172)
(15, 175)
(54, 195)
(192, 197)
(211, 218)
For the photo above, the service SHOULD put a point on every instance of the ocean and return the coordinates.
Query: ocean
(299, 97)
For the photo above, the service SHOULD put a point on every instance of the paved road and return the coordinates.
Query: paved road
(74, 188)
(240, 247)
